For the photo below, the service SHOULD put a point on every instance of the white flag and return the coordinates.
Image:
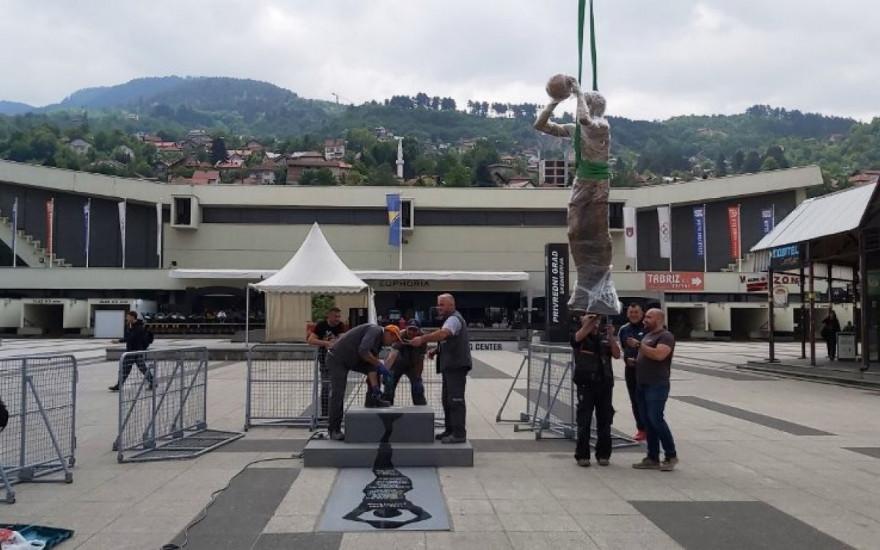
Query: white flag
(629, 232)
(159, 232)
(665, 231)
(122, 229)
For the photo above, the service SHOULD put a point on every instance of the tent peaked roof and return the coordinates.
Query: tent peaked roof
(314, 269)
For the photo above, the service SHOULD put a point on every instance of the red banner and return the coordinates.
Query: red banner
(733, 226)
(674, 280)
(50, 227)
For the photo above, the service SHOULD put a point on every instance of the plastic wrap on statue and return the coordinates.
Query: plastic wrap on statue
(588, 235)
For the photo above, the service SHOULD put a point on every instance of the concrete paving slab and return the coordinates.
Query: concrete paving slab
(721, 526)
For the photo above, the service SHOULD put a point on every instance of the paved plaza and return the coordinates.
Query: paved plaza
(765, 463)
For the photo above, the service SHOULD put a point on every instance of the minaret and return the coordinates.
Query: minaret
(400, 158)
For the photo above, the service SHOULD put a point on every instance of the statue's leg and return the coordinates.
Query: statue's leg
(590, 244)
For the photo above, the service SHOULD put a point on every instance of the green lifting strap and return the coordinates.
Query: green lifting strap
(587, 169)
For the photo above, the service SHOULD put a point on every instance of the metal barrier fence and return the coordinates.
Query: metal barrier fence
(283, 387)
(163, 408)
(551, 396)
(40, 439)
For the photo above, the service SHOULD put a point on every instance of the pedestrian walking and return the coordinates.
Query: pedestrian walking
(137, 339)
(830, 328)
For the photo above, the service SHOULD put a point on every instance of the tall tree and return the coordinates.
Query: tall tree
(739, 158)
(458, 176)
(752, 163)
(720, 165)
(218, 150)
(447, 104)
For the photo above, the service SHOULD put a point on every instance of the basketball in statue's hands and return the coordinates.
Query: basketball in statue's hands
(559, 87)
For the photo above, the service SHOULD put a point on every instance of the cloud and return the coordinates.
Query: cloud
(656, 59)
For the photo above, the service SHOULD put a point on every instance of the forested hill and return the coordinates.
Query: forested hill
(229, 106)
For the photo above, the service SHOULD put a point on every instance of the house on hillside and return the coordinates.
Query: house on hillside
(865, 177)
(254, 146)
(229, 164)
(312, 160)
(264, 174)
(205, 177)
(80, 146)
(334, 149)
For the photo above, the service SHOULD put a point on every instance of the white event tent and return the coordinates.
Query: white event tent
(314, 269)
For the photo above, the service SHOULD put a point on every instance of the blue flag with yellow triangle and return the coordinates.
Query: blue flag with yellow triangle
(394, 218)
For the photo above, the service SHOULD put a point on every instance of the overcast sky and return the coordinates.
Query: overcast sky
(656, 58)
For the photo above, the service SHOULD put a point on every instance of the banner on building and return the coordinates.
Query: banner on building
(87, 221)
(50, 230)
(629, 231)
(665, 228)
(674, 280)
(394, 218)
(700, 231)
(733, 226)
(768, 221)
(122, 209)
(556, 292)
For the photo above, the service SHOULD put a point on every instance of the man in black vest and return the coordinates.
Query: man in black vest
(453, 363)
(593, 377)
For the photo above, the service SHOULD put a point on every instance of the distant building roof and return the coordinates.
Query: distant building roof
(205, 177)
(820, 217)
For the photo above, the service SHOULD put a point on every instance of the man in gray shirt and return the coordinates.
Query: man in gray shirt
(453, 363)
(357, 350)
(653, 367)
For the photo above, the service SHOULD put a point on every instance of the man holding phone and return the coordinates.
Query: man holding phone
(593, 347)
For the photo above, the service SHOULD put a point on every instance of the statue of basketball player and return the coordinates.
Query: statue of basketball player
(588, 235)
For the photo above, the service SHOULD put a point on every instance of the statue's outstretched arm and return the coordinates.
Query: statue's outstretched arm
(544, 124)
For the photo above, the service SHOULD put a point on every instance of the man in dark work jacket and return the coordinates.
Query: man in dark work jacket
(593, 377)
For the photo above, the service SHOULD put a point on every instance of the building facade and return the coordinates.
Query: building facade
(488, 244)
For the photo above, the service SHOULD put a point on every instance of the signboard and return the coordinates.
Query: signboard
(757, 282)
(674, 280)
(780, 296)
(495, 346)
(556, 292)
(785, 257)
(402, 283)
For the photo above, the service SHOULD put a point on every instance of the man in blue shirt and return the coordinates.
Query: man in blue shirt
(630, 335)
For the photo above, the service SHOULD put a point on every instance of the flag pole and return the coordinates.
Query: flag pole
(669, 209)
(14, 232)
(400, 240)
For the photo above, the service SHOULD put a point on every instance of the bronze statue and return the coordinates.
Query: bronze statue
(588, 236)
